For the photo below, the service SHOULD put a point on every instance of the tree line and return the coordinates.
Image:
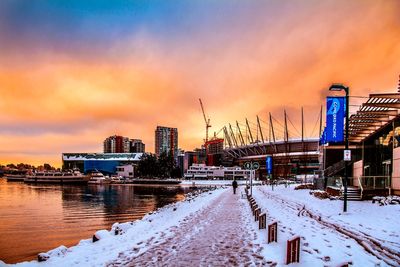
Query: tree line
(24, 166)
(164, 166)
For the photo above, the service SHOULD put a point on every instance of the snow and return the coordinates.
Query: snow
(329, 236)
(216, 182)
(218, 228)
(153, 226)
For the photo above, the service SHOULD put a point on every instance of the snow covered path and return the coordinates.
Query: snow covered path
(216, 228)
(219, 235)
(324, 240)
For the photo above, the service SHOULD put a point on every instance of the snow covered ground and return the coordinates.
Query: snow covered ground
(217, 229)
(215, 182)
(367, 235)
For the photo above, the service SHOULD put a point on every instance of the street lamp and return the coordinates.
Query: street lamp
(340, 87)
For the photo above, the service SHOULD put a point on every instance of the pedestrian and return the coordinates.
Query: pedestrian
(234, 185)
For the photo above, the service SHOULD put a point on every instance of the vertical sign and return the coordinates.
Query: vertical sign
(347, 155)
(268, 165)
(335, 113)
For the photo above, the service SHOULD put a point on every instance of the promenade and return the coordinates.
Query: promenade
(219, 235)
(217, 228)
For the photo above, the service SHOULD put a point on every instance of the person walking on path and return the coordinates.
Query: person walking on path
(234, 185)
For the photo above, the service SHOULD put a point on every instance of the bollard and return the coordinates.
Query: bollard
(262, 224)
(273, 232)
(293, 250)
(257, 214)
(254, 209)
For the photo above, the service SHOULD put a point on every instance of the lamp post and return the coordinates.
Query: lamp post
(340, 87)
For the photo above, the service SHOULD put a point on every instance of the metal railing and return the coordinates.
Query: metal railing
(334, 182)
(374, 182)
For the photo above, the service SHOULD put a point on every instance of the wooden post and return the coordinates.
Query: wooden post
(257, 214)
(254, 209)
(293, 250)
(262, 224)
(273, 232)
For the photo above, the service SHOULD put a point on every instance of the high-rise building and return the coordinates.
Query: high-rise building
(137, 146)
(166, 140)
(116, 144)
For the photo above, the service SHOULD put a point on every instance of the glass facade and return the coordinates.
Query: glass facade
(378, 150)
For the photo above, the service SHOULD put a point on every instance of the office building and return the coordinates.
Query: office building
(116, 144)
(166, 140)
(137, 146)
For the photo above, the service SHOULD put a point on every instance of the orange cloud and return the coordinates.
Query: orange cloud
(65, 103)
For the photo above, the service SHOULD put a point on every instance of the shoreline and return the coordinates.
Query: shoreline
(119, 230)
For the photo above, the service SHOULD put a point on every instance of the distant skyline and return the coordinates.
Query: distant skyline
(75, 72)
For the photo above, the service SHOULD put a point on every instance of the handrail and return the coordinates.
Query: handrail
(361, 186)
(374, 182)
(335, 182)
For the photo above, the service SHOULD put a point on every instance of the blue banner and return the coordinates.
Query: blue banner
(335, 113)
(268, 165)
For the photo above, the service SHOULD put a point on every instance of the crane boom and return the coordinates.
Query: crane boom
(207, 121)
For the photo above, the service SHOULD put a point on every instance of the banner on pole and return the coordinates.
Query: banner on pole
(335, 113)
(268, 165)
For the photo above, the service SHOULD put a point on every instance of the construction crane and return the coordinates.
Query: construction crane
(206, 120)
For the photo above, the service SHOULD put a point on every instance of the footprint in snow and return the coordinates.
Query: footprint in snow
(326, 258)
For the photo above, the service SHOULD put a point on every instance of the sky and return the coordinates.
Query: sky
(75, 72)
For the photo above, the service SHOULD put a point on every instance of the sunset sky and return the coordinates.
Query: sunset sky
(74, 72)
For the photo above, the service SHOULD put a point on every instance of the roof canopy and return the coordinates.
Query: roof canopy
(376, 112)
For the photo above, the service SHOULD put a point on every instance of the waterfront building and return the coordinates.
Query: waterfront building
(180, 163)
(201, 171)
(197, 156)
(116, 144)
(214, 151)
(126, 171)
(137, 146)
(166, 140)
(374, 141)
(106, 163)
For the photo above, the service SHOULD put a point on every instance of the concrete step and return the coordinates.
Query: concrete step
(351, 198)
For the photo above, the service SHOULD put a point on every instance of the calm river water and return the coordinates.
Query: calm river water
(37, 218)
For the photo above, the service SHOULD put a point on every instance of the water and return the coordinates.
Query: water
(37, 218)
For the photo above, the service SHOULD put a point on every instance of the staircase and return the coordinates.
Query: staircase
(335, 168)
(353, 194)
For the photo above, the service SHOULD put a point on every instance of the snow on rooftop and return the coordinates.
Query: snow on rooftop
(102, 156)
